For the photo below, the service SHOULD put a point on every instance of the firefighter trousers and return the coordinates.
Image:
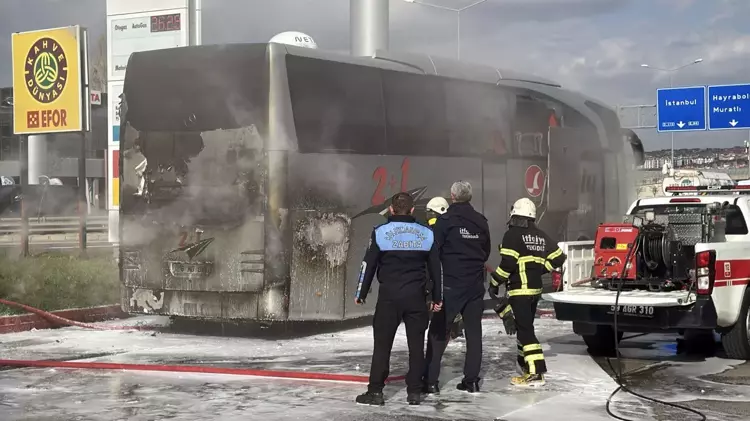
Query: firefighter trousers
(438, 335)
(388, 317)
(530, 356)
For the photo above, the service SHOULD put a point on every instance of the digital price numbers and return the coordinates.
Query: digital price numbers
(166, 23)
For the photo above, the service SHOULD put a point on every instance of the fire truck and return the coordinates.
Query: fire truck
(676, 263)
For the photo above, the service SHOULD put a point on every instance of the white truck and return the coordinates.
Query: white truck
(681, 263)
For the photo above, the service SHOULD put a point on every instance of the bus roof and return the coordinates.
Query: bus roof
(425, 64)
(165, 74)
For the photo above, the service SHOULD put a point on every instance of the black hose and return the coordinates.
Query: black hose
(618, 373)
(652, 251)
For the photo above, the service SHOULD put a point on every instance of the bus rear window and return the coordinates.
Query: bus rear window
(213, 175)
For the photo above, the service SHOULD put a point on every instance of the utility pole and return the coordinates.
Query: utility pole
(368, 26)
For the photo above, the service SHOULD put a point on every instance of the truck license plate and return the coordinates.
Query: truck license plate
(634, 311)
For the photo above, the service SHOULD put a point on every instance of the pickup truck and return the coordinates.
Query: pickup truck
(680, 262)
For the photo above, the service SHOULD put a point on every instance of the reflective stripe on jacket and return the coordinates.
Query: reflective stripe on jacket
(527, 254)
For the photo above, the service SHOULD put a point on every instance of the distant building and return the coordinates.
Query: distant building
(62, 149)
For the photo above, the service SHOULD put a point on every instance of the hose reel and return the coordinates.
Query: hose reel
(656, 246)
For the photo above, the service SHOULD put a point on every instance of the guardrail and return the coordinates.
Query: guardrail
(53, 229)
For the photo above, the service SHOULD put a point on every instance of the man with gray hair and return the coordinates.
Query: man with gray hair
(463, 238)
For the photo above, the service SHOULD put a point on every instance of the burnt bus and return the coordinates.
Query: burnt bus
(251, 175)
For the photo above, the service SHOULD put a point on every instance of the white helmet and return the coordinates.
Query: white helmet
(438, 205)
(524, 207)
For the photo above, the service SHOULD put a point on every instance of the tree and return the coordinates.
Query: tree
(98, 66)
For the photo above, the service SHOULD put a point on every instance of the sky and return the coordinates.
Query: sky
(595, 46)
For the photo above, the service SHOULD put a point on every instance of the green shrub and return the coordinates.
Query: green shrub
(56, 282)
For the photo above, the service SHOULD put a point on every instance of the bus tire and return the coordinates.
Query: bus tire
(736, 341)
(602, 342)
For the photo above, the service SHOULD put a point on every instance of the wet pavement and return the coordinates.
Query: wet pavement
(703, 379)
(577, 388)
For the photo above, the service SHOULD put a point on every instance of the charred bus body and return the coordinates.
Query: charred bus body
(252, 174)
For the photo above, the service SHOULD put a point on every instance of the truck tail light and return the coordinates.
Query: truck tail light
(705, 271)
(556, 280)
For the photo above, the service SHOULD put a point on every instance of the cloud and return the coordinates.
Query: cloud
(595, 46)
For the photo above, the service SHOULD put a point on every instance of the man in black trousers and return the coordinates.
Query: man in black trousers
(399, 252)
(463, 238)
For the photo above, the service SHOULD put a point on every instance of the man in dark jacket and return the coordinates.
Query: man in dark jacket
(463, 236)
(527, 254)
(401, 252)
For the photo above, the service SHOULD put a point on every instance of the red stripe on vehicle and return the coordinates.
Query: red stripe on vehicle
(731, 283)
(732, 269)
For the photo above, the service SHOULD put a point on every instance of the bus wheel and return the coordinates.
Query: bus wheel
(736, 341)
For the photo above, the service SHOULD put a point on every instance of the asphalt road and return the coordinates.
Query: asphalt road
(658, 366)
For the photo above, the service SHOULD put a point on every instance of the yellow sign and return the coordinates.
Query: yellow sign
(48, 81)
(622, 246)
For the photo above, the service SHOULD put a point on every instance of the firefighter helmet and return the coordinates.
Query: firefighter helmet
(438, 205)
(524, 207)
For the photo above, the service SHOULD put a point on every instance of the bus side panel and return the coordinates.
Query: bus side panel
(496, 205)
(336, 201)
(321, 187)
(426, 177)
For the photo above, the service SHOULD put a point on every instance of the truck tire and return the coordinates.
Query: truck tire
(736, 341)
(602, 342)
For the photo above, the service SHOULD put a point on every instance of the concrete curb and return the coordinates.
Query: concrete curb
(25, 322)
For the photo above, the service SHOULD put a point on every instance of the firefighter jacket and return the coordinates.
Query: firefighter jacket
(463, 237)
(527, 254)
(398, 253)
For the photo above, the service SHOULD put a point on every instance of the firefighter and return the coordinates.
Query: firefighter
(463, 237)
(436, 207)
(527, 253)
(401, 252)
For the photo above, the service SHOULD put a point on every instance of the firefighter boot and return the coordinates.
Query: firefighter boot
(528, 380)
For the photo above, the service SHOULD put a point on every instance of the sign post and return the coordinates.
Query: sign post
(83, 205)
(50, 95)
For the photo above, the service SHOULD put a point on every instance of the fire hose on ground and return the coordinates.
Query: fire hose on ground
(279, 374)
(300, 375)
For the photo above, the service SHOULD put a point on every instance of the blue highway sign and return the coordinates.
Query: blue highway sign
(729, 107)
(681, 109)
